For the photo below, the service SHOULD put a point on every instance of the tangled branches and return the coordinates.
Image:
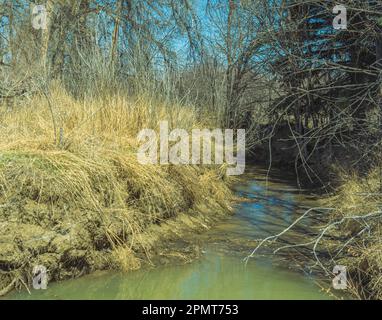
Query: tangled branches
(339, 246)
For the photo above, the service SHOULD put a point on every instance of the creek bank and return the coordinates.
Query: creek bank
(352, 191)
(84, 202)
(218, 272)
(72, 248)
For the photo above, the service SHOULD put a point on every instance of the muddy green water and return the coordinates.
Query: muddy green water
(269, 205)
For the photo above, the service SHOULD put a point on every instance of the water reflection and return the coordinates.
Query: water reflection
(214, 277)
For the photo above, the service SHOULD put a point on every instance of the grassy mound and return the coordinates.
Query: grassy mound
(73, 196)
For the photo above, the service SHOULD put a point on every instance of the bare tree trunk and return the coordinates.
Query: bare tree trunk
(11, 33)
(116, 32)
(45, 36)
(230, 69)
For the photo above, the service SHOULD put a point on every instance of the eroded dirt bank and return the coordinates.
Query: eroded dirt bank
(71, 243)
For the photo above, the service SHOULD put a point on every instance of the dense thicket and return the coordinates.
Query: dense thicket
(272, 67)
(308, 95)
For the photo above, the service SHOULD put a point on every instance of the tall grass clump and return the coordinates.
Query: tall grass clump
(73, 196)
(358, 206)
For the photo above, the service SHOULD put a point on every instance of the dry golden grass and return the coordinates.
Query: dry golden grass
(70, 167)
(361, 198)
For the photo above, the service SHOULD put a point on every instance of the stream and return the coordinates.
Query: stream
(269, 205)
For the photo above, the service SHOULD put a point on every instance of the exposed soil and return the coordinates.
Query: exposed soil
(73, 248)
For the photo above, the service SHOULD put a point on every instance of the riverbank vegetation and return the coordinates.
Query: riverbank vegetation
(78, 200)
(355, 224)
(75, 91)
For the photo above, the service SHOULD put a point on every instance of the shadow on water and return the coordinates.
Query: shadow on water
(268, 206)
